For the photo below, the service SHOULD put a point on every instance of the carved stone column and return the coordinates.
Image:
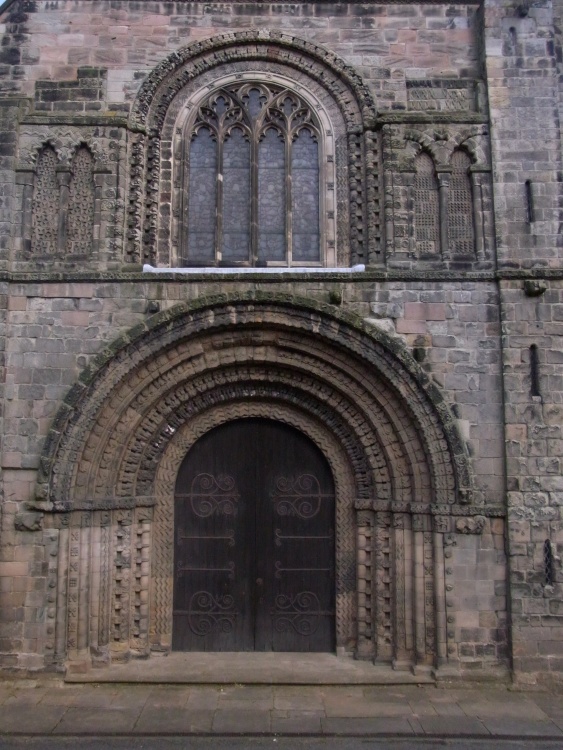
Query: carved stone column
(402, 592)
(364, 534)
(382, 587)
(444, 194)
(63, 178)
(477, 177)
(62, 521)
(441, 525)
(418, 580)
(26, 178)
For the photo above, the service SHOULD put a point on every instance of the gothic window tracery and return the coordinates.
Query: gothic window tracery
(252, 179)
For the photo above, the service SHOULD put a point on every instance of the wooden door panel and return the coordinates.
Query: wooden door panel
(296, 511)
(254, 555)
(213, 608)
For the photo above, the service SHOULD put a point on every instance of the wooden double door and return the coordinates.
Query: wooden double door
(254, 542)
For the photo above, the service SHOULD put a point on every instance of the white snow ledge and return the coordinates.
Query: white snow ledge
(245, 269)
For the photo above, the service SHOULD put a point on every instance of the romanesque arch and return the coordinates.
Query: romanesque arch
(333, 87)
(110, 462)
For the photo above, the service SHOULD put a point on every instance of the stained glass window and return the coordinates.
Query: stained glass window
(253, 177)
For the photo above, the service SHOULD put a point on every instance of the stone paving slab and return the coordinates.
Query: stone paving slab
(458, 725)
(521, 727)
(91, 721)
(243, 667)
(110, 709)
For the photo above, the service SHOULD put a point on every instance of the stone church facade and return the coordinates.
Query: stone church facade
(362, 202)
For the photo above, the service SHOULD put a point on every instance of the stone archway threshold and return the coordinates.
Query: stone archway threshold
(251, 668)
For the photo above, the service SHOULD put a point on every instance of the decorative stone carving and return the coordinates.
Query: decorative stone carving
(28, 521)
(152, 400)
(430, 174)
(471, 525)
(80, 221)
(46, 204)
(339, 86)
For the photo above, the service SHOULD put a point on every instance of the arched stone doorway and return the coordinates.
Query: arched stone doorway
(254, 542)
(112, 460)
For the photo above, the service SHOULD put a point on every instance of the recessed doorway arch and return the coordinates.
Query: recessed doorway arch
(110, 466)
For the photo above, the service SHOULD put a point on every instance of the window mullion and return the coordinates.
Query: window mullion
(253, 197)
(288, 198)
(219, 208)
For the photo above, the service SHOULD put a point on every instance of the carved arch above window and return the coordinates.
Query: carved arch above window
(256, 167)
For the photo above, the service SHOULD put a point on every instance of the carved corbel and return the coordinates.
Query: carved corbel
(29, 521)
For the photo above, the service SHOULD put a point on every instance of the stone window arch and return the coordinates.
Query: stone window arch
(426, 207)
(461, 232)
(255, 169)
(80, 216)
(46, 203)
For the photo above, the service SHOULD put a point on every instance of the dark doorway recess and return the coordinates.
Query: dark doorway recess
(254, 542)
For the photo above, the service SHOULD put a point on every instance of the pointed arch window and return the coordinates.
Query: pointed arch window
(426, 207)
(252, 176)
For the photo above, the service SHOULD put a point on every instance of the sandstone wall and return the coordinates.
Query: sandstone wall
(441, 75)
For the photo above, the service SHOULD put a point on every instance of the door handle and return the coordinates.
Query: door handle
(259, 582)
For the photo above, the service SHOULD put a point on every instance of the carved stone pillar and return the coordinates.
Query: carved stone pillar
(443, 192)
(63, 178)
(402, 592)
(121, 591)
(62, 587)
(418, 581)
(478, 218)
(382, 587)
(26, 178)
(364, 532)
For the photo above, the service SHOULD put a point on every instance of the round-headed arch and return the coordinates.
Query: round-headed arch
(189, 62)
(347, 379)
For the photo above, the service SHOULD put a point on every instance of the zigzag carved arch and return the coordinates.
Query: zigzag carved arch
(353, 379)
(170, 75)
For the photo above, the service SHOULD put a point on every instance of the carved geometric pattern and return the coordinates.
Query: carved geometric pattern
(45, 212)
(429, 617)
(162, 565)
(383, 586)
(105, 580)
(365, 604)
(461, 239)
(121, 576)
(328, 361)
(426, 207)
(80, 221)
(73, 589)
(140, 581)
(305, 367)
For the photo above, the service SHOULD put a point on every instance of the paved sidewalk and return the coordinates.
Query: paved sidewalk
(397, 710)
